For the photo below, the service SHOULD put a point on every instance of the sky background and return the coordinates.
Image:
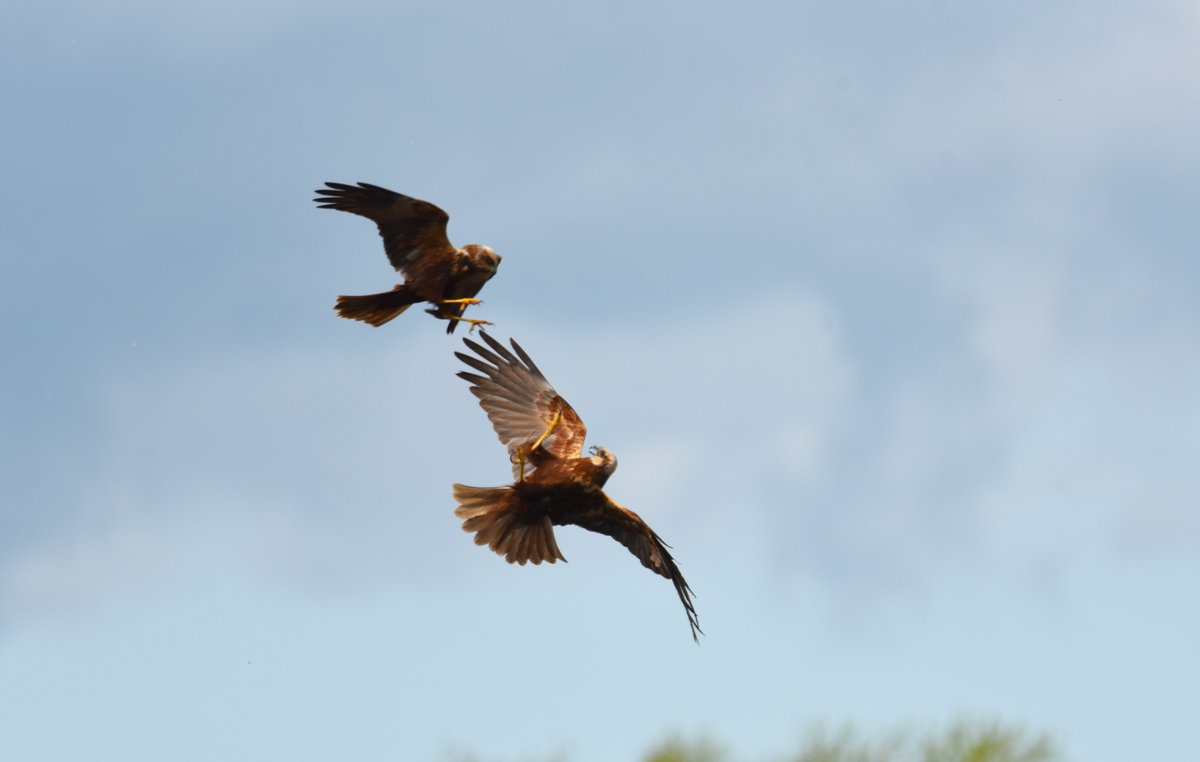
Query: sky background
(889, 310)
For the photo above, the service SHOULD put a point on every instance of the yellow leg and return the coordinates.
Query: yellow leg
(548, 431)
(518, 456)
(519, 459)
(474, 323)
(460, 301)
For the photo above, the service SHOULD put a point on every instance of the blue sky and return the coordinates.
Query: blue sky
(888, 310)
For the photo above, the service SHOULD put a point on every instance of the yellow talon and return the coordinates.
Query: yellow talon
(519, 456)
(460, 301)
(474, 323)
(548, 431)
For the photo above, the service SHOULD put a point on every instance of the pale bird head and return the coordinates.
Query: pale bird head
(604, 459)
(483, 257)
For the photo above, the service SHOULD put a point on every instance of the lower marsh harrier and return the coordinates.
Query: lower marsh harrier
(555, 485)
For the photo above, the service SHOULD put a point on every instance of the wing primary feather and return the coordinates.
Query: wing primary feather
(496, 345)
(526, 359)
(477, 364)
(484, 353)
(509, 358)
(471, 377)
(515, 389)
(502, 375)
(509, 381)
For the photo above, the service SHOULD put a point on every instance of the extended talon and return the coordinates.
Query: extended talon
(461, 301)
(474, 323)
(548, 431)
(518, 457)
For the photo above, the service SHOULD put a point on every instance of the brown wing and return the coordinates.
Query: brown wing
(519, 400)
(627, 528)
(413, 231)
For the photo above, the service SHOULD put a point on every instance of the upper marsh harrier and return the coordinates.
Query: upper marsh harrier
(414, 237)
(555, 484)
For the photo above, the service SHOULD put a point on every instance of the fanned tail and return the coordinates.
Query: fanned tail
(376, 309)
(488, 512)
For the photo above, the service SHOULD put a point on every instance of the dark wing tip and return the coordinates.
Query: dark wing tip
(524, 357)
(685, 596)
(329, 196)
(504, 354)
(473, 346)
(333, 193)
(682, 588)
(490, 341)
(471, 378)
(502, 350)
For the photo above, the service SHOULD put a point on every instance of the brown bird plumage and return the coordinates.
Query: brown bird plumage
(414, 237)
(555, 484)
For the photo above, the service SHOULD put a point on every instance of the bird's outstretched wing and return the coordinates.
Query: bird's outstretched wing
(519, 400)
(413, 231)
(628, 528)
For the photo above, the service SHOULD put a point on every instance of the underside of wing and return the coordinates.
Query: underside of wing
(519, 400)
(413, 231)
(627, 528)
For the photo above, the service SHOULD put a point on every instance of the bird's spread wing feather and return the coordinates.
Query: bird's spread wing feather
(627, 528)
(519, 400)
(413, 231)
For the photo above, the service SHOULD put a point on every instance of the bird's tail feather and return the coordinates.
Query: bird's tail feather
(488, 512)
(376, 309)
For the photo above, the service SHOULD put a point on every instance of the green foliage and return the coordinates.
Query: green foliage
(961, 742)
(678, 750)
(467, 757)
(976, 742)
(845, 746)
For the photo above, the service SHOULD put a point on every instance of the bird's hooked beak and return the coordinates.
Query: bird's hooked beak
(606, 458)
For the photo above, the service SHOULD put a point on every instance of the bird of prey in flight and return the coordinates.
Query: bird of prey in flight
(414, 237)
(555, 484)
